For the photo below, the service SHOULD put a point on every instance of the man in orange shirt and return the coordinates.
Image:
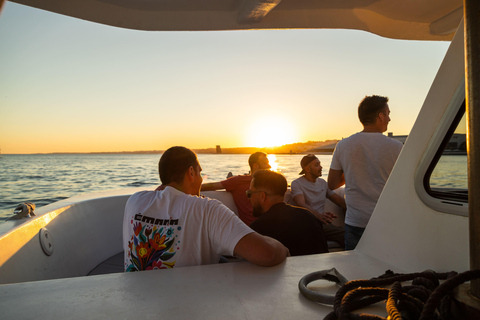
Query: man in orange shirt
(237, 186)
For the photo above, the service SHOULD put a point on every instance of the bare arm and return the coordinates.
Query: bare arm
(212, 186)
(336, 179)
(299, 200)
(325, 217)
(339, 201)
(261, 250)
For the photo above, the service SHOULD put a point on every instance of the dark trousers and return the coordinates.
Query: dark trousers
(352, 236)
(334, 233)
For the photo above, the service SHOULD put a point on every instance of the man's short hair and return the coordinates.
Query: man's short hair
(254, 158)
(174, 163)
(370, 107)
(272, 182)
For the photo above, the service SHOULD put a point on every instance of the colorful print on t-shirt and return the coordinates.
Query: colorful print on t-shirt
(152, 244)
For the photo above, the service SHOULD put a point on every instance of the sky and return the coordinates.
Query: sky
(68, 85)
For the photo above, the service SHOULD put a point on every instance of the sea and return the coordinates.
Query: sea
(46, 178)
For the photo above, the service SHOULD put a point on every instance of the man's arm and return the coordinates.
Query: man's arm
(299, 200)
(325, 217)
(336, 179)
(212, 186)
(261, 250)
(339, 201)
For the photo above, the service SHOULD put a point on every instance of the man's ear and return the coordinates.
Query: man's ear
(263, 196)
(381, 116)
(190, 174)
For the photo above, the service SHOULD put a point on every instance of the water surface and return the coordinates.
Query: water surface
(43, 179)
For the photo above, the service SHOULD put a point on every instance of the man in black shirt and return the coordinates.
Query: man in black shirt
(296, 228)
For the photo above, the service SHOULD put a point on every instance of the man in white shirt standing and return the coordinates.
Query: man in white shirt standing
(363, 163)
(175, 227)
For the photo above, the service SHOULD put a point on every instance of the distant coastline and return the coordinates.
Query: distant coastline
(320, 147)
(317, 147)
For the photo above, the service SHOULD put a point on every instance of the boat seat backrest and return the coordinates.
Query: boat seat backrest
(225, 197)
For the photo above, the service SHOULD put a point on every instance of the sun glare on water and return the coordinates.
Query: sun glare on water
(271, 132)
(272, 159)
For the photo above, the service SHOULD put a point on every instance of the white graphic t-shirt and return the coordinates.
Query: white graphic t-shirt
(163, 229)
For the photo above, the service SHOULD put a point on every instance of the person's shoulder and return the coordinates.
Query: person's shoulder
(349, 139)
(209, 204)
(277, 210)
(390, 141)
(298, 180)
(141, 198)
(297, 209)
(396, 142)
(239, 178)
(244, 177)
(355, 135)
(142, 194)
(303, 214)
(149, 194)
(321, 180)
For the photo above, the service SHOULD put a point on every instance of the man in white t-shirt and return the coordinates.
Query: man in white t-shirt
(363, 163)
(174, 227)
(310, 191)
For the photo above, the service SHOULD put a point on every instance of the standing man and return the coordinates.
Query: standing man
(296, 228)
(310, 191)
(237, 186)
(363, 163)
(174, 227)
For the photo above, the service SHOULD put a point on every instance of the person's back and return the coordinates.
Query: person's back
(366, 158)
(170, 228)
(296, 228)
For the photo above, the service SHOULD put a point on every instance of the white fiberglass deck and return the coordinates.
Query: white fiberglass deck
(238, 290)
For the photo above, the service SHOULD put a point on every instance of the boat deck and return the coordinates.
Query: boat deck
(225, 291)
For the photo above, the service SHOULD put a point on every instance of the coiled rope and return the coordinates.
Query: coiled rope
(424, 299)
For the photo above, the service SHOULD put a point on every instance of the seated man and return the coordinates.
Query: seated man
(295, 227)
(237, 185)
(309, 191)
(176, 227)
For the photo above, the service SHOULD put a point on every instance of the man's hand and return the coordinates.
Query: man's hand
(327, 217)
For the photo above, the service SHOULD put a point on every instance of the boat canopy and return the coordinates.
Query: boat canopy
(406, 19)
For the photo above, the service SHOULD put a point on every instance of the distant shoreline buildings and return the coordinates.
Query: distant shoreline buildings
(456, 145)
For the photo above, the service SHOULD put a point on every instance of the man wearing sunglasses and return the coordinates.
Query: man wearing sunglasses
(237, 185)
(174, 227)
(295, 227)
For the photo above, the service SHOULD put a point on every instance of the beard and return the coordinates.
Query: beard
(317, 174)
(257, 211)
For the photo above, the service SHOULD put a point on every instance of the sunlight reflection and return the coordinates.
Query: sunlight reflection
(272, 159)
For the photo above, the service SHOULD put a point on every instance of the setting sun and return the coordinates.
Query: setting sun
(271, 132)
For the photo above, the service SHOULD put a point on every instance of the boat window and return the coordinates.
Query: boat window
(447, 176)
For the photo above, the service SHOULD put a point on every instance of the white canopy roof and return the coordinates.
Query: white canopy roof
(399, 19)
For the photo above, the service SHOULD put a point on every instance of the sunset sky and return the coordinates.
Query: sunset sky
(68, 85)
